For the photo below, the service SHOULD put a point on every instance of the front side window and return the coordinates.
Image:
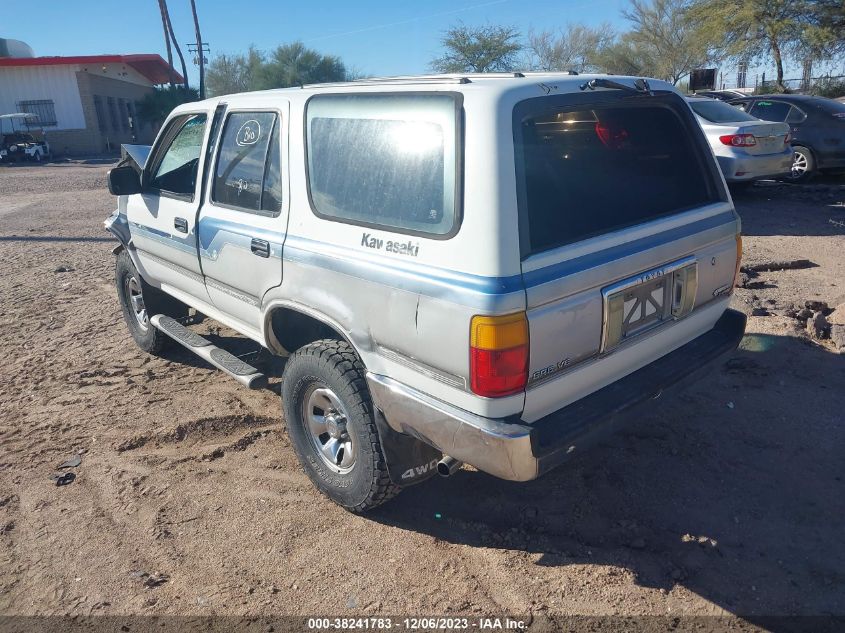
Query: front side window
(248, 173)
(770, 110)
(176, 171)
(387, 161)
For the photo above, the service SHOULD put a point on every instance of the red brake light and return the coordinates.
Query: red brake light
(497, 373)
(787, 138)
(738, 140)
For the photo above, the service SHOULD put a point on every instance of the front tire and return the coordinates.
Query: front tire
(329, 417)
(139, 301)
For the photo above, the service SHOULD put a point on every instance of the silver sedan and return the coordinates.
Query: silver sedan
(746, 147)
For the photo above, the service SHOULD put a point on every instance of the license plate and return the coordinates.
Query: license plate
(771, 144)
(642, 302)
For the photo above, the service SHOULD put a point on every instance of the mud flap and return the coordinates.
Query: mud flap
(409, 461)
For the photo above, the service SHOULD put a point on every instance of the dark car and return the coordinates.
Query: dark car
(817, 128)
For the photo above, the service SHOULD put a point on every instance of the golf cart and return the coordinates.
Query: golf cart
(21, 138)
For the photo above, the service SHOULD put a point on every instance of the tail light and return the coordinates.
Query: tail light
(611, 135)
(498, 362)
(787, 138)
(738, 140)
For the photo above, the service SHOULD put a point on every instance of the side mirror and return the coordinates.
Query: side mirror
(124, 181)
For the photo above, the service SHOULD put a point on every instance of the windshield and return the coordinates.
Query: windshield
(583, 172)
(719, 111)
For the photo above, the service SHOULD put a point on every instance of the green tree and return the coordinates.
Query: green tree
(228, 74)
(824, 31)
(666, 34)
(295, 65)
(479, 49)
(753, 28)
(627, 57)
(156, 105)
(574, 47)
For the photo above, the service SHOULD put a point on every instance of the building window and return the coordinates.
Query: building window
(44, 108)
(101, 115)
(113, 116)
(124, 114)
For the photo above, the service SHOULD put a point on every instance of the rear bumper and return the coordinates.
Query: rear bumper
(754, 167)
(519, 452)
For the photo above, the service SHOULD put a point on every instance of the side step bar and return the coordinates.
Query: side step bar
(243, 372)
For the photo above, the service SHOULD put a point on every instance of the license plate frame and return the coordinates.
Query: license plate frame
(647, 300)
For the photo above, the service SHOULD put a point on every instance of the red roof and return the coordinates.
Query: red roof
(153, 67)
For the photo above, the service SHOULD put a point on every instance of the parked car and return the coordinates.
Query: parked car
(817, 128)
(747, 148)
(22, 139)
(490, 269)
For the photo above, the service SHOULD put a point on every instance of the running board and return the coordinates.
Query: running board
(243, 372)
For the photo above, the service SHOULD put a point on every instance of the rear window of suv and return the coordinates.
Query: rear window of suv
(613, 163)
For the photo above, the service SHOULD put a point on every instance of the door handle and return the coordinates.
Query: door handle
(260, 247)
(180, 224)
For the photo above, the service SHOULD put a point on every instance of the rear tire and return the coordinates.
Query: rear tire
(329, 417)
(803, 164)
(139, 301)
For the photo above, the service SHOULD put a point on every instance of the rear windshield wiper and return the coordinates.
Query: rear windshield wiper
(640, 85)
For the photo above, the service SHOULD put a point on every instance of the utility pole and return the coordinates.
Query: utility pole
(200, 49)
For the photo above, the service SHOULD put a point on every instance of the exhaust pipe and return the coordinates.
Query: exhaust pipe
(448, 466)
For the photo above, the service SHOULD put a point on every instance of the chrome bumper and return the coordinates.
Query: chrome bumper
(494, 446)
(520, 452)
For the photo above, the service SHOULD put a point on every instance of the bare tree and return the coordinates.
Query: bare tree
(479, 49)
(573, 47)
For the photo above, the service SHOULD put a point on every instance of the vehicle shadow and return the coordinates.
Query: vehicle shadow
(732, 489)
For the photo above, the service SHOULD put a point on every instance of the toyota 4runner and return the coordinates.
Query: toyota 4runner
(489, 269)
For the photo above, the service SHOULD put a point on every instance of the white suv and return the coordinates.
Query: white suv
(487, 269)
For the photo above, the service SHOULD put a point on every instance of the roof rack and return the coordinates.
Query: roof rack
(435, 79)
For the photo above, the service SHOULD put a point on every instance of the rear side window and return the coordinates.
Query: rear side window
(770, 110)
(385, 161)
(620, 162)
(248, 174)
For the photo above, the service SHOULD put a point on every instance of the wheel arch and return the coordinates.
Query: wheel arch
(288, 326)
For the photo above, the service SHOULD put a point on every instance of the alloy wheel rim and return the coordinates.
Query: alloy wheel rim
(136, 302)
(799, 165)
(326, 422)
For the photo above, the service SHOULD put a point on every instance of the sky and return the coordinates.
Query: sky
(372, 37)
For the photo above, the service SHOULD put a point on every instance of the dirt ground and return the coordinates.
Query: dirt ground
(727, 499)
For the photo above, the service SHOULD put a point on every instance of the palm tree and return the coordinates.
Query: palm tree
(163, 10)
(166, 15)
